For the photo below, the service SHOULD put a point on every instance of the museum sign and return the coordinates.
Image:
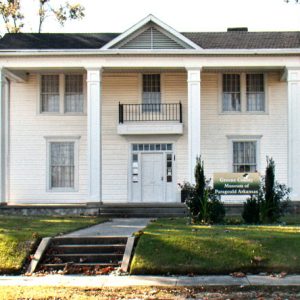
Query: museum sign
(236, 183)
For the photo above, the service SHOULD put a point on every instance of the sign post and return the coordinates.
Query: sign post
(236, 183)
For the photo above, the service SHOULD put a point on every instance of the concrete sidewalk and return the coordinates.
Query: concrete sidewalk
(115, 227)
(125, 281)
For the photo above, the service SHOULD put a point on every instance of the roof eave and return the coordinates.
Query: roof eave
(58, 52)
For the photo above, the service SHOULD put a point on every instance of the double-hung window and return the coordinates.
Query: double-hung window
(231, 92)
(50, 97)
(73, 93)
(255, 92)
(244, 156)
(62, 165)
(62, 93)
(62, 170)
(243, 92)
(151, 92)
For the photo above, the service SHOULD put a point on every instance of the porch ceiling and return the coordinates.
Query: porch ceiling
(21, 75)
(243, 69)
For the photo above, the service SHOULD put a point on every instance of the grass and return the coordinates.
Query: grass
(170, 246)
(19, 234)
(290, 219)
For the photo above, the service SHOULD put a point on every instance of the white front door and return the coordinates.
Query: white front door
(152, 177)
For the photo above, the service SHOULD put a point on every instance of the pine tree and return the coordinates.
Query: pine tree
(200, 191)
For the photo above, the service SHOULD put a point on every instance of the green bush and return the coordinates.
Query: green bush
(271, 202)
(251, 211)
(216, 211)
(203, 204)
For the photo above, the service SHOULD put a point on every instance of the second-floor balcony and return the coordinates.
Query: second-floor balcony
(150, 118)
(152, 112)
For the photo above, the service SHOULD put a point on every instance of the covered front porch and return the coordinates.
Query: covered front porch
(117, 128)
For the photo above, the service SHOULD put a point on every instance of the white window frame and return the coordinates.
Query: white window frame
(162, 85)
(243, 94)
(61, 94)
(243, 138)
(62, 139)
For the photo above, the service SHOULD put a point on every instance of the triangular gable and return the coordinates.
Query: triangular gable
(151, 33)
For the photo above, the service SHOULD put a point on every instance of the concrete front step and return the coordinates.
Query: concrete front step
(89, 240)
(85, 264)
(141, 215)
(143, 210)
(87, 257)
(68, 249)
(76, 252)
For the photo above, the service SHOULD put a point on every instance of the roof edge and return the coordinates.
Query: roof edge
(219, 52)
(143, 22)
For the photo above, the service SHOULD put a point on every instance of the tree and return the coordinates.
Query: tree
(271, 202)
(12, 15)
(203, 204)
(62, 13)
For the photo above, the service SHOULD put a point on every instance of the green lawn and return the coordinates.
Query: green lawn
(19, 234)
(172, 246)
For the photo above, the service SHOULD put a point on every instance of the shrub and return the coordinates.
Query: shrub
(216, 211)
(271, 202)
(187, 190)
(203, 205)
(276, 196)
(251, 211)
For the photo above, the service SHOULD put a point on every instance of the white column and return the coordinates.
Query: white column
(2, 139)
(293, 79)
(194, 119)
(94, 132)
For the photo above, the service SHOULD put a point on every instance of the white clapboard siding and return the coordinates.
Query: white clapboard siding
(126, 88)
(151, 38)
(28, 129)
(272, 126)
(28, 161)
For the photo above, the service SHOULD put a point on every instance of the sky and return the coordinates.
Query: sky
(182, 15)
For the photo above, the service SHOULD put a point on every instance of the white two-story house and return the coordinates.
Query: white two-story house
(121, 117)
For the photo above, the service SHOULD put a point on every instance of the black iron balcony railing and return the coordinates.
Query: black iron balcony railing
(150, 112)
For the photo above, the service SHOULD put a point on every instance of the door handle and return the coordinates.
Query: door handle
(162, 178)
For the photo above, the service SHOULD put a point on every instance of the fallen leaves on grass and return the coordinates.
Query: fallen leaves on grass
(238, 274)
(257, 260)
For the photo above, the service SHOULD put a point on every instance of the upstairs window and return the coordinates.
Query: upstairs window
(255, 92)
(231, 92)
(50, 97)
(73, 93)
(62, 93)
(151, 92)
(243, 92)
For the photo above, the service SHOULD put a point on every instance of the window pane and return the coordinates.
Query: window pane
(50, 93)
(255, 92)
(151, 92)
(231, 92)
(244, 156)
(169, 168)
(62, 164)
(73, 93)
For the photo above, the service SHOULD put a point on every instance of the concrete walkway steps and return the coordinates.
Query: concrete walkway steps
(83, 252)
(105, 245)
